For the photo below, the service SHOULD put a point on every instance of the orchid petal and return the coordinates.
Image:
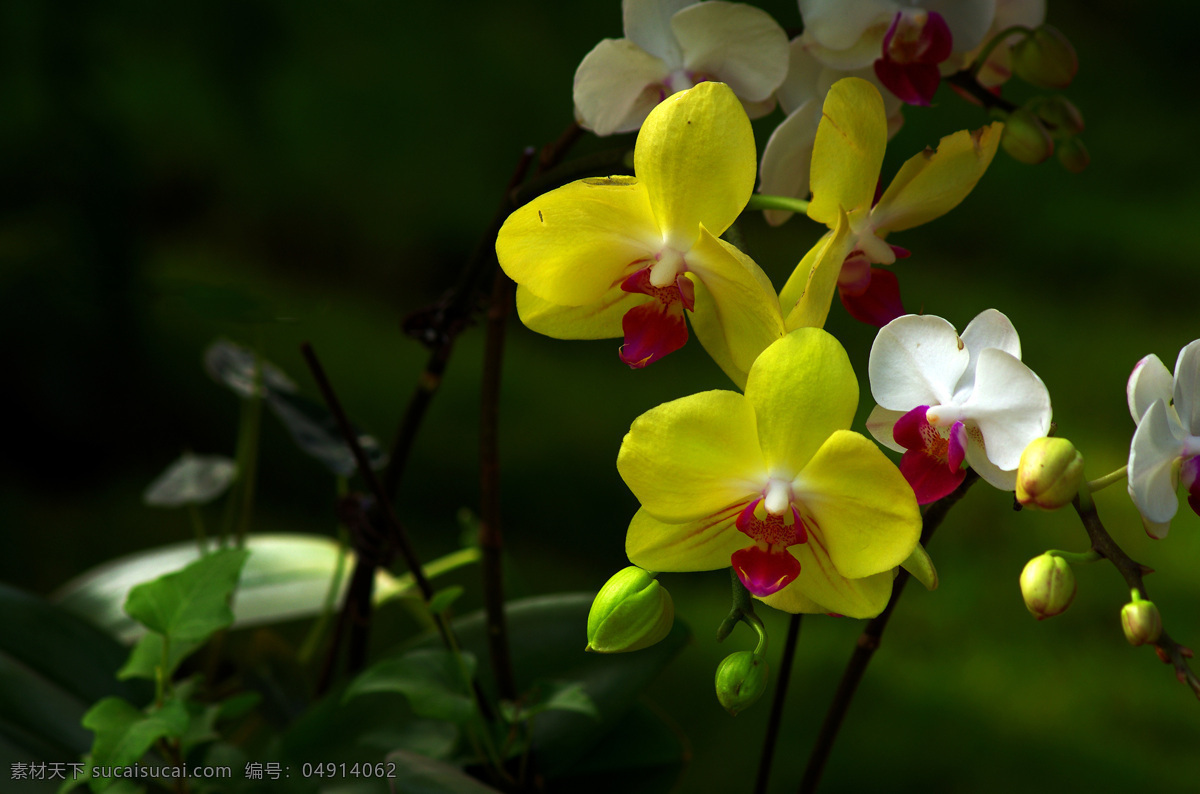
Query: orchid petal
(858, 506)
(968, 20)
(647, 23)
(765, 572)
(879, 303)
(600, 320)
(617, 84)
(1187, 387)
(929, 478)
(990, 328)
(801, 83)
(575, 243)
(920, 565)
(651, 331)
(848, 151)
(840, 24)
(935, 182)
(694, 456)
(881, 423)
(738, 44)
(1149, 381)
(821, 588)
(787, 157)
(913, 83)
(704, 544)
(737, 313)
(916, 360)
(803, 390)
(1010, 405)
(956, 446)
(1152, 476)
(695, 155)
(808, 293)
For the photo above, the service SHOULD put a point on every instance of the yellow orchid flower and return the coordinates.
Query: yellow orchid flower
(621, 255)
(812, 517)
(847, 156)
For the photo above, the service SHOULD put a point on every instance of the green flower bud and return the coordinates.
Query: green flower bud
(1060, 113)
(1047, 585)
(741, 681)
(1045, 59)
(1073, 155)
(632, 611)
(1141, 621)
(1050, 473)
(1025, 139)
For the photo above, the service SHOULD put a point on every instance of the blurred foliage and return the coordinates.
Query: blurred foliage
(337, 163)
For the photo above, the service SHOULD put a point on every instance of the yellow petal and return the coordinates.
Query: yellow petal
(693, 457)
(933, 183)
(848, 151)
(821, 588)
(705, 544)
(809, 292)
(863, 511)
(737, 314)
(695, 155)
(803, 389)
(600, 320)
(572, 245)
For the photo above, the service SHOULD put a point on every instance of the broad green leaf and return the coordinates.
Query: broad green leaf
(234, 366)
(286, 577)
(193, 603)
(432, 680)
(416, 774)
(193, 479)
(147, 656)
(563, 695)
(124, 733)
(316, 432)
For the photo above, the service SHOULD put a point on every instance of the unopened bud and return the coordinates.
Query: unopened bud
(1045, 59)
(1025, 139)
(1141, 621)
(1060, 113)
(1073, 155)
(1047, 585)
(632, 611)
(1050, 473)
(741, 681)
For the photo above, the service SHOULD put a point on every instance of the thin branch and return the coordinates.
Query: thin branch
(1167, 649)
(967, 81)
(781, 687)
(868, 642)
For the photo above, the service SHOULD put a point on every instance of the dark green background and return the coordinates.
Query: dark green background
(340, 162)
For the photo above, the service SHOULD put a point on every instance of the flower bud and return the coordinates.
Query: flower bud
(741, 681)
(1025, 139)
(1046, 59)
(1047, 585)
(1141, 621)
(1073, 155)
(1060, 113)
(1050, 473)
(632, 611)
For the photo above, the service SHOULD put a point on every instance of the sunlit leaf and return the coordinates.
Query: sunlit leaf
(193, 479)
(192, 603)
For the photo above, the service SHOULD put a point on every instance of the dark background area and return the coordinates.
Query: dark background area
(339, 162)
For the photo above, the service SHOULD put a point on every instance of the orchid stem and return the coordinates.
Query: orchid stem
(867, 644)
(1108, 479)
(781, 687)
(762, 201)
(996, 40)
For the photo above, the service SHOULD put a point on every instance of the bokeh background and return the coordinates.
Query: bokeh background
(339, 163)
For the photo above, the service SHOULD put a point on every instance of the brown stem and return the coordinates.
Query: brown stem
(781, 686)
(868, 642)
(966, 81)
(1132, 572)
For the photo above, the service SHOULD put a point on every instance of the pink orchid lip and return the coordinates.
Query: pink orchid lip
(655, 328)
(878, 303)
(767, 567)
(1189, 477)
(912, 50)
(928, 463)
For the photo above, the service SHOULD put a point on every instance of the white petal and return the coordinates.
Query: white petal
(740, 45)
(1148, 382)
(1187, 387)
(648, 24)
(993, 475)
(611, 93)
(787, 157)
(968, 20)
(1010, 405)
(881, 423)
(916, 360)
(800, 84)
(756, 110)
(840, 24)
(990, 328)
(1152, 458)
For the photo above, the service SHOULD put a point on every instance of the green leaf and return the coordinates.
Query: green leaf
(146, 657)
(193, 479)
(124, 733)
(286, 577)
(193, 603)
(444, 598)
(316, 432)
(643, 754)
(562, 695)
(416, 774)
(432, 680)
